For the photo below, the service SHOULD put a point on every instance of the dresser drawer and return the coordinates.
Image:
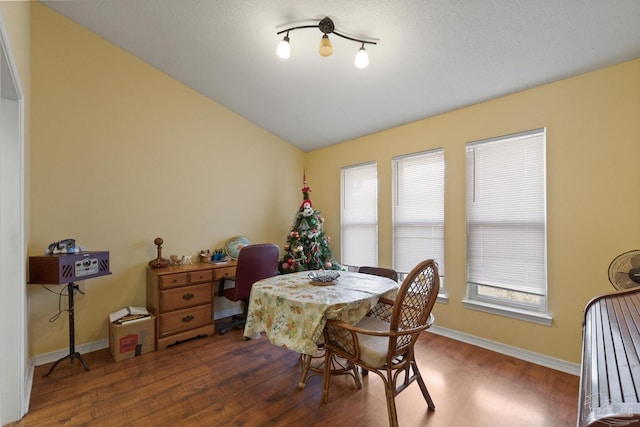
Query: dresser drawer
(186, 296)
(224, 273)
(182, 320)
(173, 280)
(201, 276)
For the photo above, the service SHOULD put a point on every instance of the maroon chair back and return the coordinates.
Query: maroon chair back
(255, 262)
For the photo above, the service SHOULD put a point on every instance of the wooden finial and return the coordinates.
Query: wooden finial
(159, 262)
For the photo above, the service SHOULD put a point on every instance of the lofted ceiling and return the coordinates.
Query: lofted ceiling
(432, 56)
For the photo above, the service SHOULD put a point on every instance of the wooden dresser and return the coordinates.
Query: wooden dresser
(181, 298)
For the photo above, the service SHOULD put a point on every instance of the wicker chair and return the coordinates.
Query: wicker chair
(383, 341)
(380, 271)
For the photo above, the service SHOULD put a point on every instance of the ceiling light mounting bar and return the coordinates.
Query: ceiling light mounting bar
(296, 28)
(327, 27)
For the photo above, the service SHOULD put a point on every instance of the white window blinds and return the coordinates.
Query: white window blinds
(359, 215)
(506, 213)
(418, 210)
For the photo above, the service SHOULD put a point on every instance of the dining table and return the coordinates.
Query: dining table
(292, 309)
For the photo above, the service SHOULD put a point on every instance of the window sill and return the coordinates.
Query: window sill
(527, 316)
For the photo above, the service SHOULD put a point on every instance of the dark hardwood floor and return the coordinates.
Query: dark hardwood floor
(226, 381)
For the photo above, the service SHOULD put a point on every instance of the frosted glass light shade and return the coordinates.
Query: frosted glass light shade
(362, 58)
(325, 46)
(284, 48)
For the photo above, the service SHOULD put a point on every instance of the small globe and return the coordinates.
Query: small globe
(233, 245)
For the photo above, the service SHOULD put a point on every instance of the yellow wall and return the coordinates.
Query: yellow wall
(121, 154)
(593, 188)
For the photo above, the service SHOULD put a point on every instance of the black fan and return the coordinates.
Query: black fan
(624, 270)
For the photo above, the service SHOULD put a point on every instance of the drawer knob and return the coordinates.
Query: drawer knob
(187, 319)
(187, 297)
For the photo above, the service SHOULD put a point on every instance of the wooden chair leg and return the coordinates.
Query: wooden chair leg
(423, 386)
(356, 376)
(305, 360)
(326, 375)
(391, 404)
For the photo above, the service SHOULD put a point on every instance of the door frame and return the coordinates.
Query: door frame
(15, 370)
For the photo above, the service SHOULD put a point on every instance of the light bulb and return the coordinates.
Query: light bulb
(284, 49)
(325, 46)
(362, 58)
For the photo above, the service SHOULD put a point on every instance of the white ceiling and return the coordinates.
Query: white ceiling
(432, 56)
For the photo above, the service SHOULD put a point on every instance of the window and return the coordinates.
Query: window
(418, 210)
(359, 215)
(506, 226)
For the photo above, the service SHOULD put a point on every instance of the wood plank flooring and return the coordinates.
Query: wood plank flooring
(226, 381)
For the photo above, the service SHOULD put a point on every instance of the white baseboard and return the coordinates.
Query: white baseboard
(43, 359)
(28, 385)
(518, 353)
(221, 314)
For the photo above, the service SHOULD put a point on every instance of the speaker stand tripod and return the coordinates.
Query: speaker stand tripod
(73, 354)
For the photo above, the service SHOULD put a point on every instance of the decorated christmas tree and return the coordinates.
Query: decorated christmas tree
(307, 247)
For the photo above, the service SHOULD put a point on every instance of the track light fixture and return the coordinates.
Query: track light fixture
(326, 49)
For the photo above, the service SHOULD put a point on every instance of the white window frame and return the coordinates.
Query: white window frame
(359, 215)
(418, 204)
(497, 282)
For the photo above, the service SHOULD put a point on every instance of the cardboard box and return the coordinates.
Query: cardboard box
(132, 338)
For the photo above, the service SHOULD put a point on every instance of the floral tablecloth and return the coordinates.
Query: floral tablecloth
(292, 311)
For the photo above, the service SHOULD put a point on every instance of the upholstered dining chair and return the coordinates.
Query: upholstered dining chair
(255, 262)
(384, 340)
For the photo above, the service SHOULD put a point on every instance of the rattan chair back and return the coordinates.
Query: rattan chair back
(414, 301)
